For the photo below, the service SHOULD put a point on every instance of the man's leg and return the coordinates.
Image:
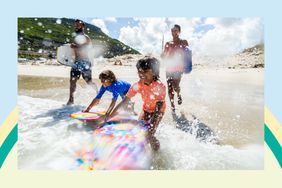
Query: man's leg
(93, 85)
(171, 92)
(177, 87)
(74, 76)
(87, 76)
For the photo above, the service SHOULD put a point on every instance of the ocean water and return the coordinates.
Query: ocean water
(49, 139)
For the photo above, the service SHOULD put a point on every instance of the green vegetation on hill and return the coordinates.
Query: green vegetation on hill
(40, 37)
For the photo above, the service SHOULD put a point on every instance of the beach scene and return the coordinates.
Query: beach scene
(218, 126)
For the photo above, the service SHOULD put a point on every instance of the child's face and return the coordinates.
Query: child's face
(106, 82)
(146, 76)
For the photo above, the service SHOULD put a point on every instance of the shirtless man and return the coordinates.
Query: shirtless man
(82, 65)
(172, 55)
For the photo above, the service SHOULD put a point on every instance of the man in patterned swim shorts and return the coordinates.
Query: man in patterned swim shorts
(82, 65)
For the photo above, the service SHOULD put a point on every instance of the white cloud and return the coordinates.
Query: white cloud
(227, 36)
(147, 36)
(223, 22)
(110, 19)
(100, 23)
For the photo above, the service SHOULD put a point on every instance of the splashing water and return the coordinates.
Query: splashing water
(58, 21)
(49, 139)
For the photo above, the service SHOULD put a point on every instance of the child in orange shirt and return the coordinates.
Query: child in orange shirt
(153, 93)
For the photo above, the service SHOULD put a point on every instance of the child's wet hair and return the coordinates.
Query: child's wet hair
(152, 63)
(109, 75)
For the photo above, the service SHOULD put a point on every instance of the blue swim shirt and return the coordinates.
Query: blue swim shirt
(116, 88)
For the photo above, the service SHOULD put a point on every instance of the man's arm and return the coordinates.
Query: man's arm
(87, 42)
(185, 43)
(73, 45)
(166, 49)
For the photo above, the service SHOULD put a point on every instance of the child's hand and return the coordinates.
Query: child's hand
(86, 110)
(103, 119)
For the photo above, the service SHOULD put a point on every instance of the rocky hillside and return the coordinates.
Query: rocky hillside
(249, 58)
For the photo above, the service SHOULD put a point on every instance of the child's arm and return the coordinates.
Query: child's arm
(111, 107)
(93, 103)
(96, 100)
(121, 104)
(157, 114)
(131, 93)
(105, 117)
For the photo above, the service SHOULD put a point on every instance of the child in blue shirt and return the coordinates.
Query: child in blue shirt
(111, 84)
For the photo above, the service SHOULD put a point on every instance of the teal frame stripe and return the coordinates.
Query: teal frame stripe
(8, 144)
(273, 144)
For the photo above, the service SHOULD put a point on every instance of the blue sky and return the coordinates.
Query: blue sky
(114, 27)
(207, 36)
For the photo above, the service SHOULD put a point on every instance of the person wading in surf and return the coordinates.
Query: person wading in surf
(82, 65)
(172, 56)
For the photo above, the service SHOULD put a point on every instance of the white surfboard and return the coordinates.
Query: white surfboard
(66, 55)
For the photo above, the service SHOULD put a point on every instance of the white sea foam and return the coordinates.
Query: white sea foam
(48, 139)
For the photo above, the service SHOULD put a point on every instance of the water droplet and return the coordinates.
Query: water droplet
(58, 21)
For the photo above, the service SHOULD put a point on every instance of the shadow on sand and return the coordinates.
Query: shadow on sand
(60, 114)
(201, 131)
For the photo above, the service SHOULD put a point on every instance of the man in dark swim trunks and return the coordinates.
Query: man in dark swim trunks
(172, 55)
(82, 65)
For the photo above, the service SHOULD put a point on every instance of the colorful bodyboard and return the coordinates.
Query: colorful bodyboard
(87, 116)
(116, 146)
